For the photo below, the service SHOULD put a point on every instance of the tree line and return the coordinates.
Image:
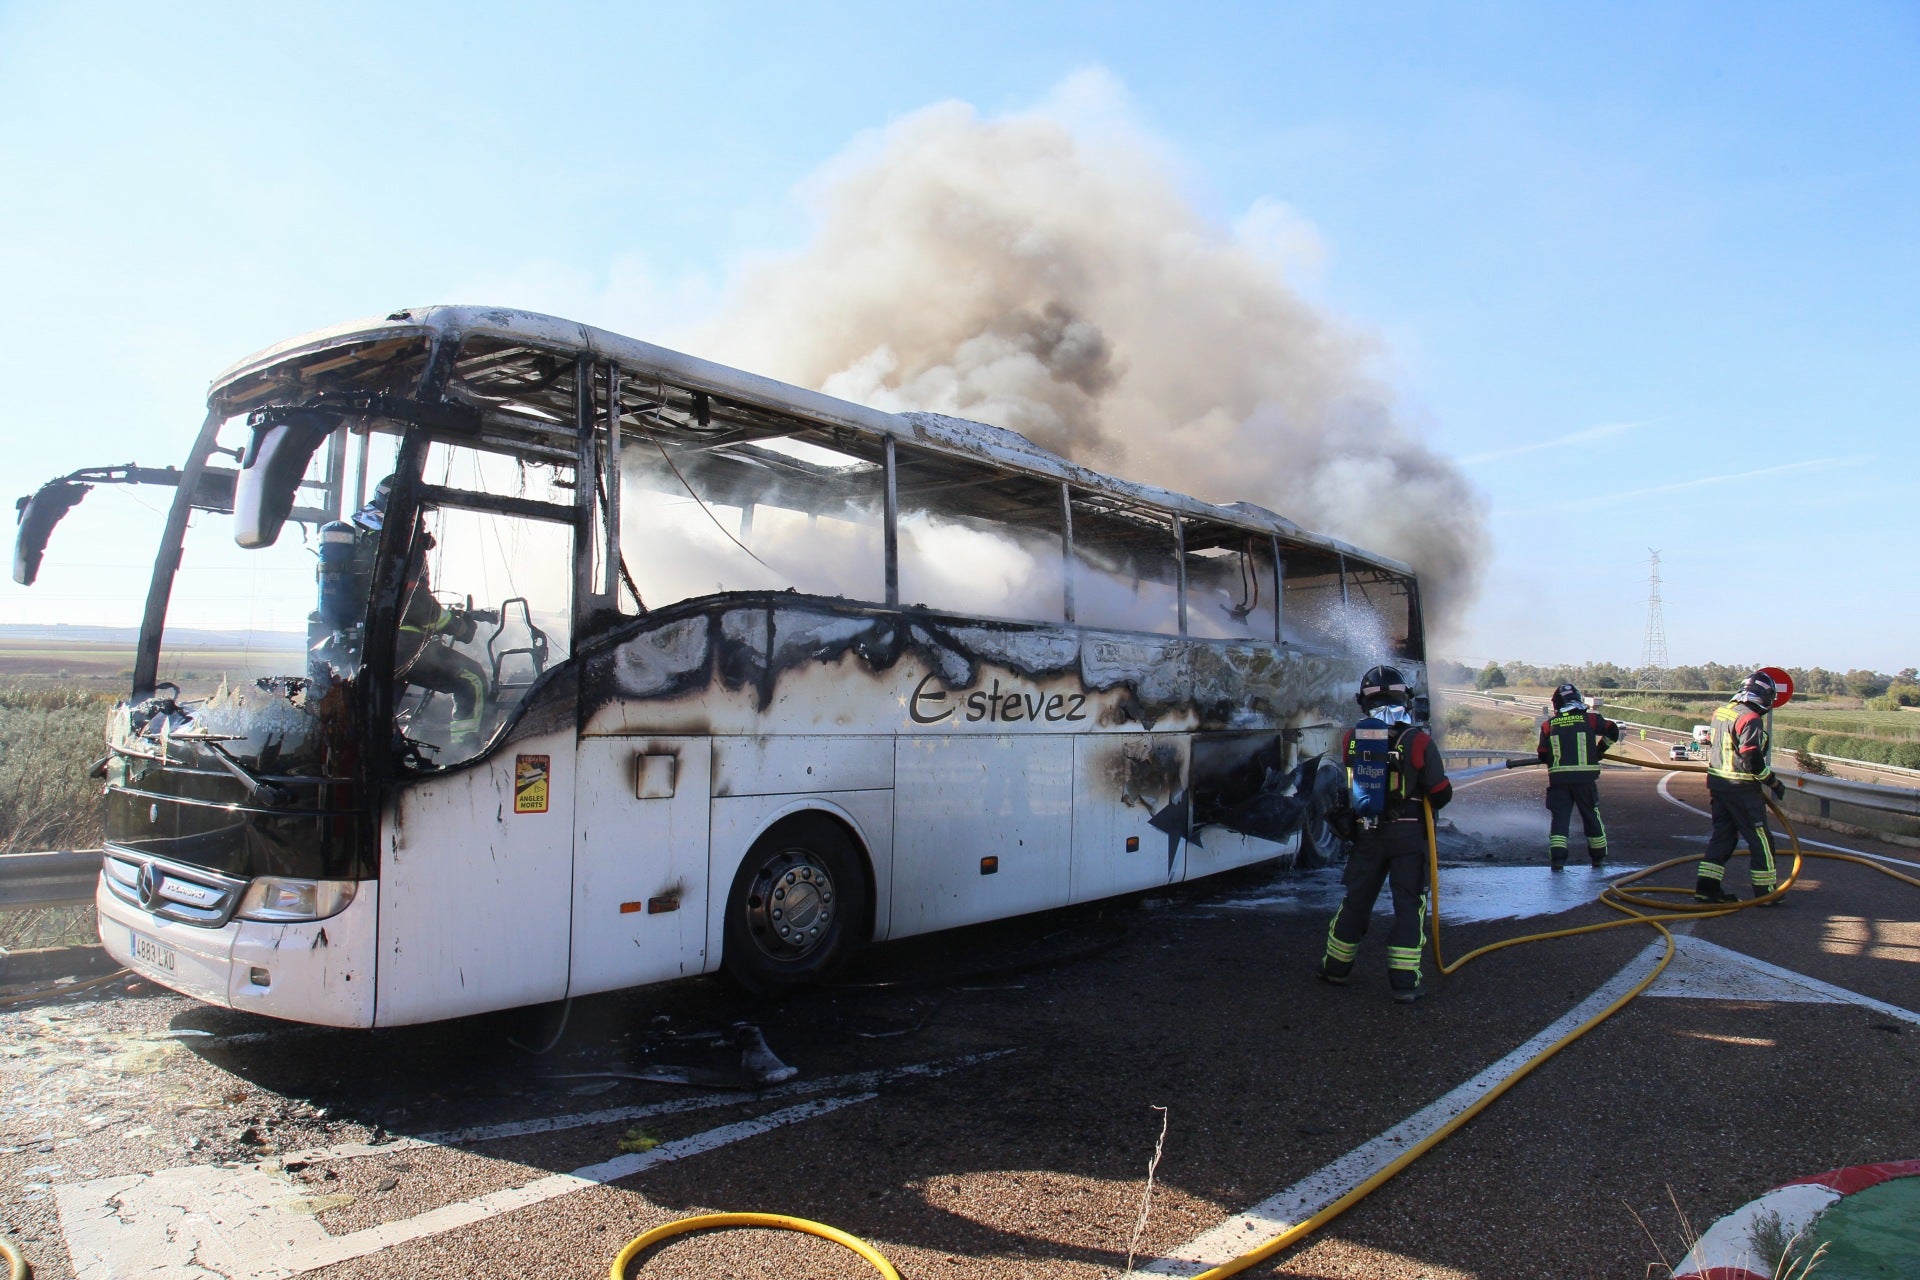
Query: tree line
(1881, 691)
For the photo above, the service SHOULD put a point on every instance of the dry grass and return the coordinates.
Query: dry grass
(1774, 1251)
(28, 928)
(49, 736)
(1475, 728)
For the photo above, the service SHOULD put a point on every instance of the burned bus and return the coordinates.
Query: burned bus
(577, 664)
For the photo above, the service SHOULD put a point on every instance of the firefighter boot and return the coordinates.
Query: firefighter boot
(1759, 892)
(1705, 890)
(1331, 971)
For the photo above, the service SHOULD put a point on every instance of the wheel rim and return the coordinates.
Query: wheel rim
(791, 905)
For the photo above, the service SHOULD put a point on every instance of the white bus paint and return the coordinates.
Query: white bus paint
(1668, 795)
(850, 734)
(1248, 1229)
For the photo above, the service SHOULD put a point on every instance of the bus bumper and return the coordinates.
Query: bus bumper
(318, 972)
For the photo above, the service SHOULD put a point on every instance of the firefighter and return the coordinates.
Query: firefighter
(1736, 770)
(1572, 740)
(1391, 764)
(425, 656)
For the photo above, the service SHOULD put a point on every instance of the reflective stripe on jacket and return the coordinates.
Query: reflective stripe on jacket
(1739, 749)
(1571, 742)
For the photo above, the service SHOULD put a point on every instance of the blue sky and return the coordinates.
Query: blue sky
(1648, 273)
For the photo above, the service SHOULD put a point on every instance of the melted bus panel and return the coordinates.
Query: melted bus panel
(599, 665)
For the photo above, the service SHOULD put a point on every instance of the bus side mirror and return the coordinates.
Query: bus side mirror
(36, 517)
(270, 473)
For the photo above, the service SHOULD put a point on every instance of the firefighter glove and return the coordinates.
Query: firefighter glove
(457, 626)
(1778, 788)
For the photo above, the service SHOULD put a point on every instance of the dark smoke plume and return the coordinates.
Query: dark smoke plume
(1053, 280)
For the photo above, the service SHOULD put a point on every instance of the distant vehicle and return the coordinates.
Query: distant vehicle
(1680, 751)
(1702, 735)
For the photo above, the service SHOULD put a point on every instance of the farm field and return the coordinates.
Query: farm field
(106, 665)
(1836, 727)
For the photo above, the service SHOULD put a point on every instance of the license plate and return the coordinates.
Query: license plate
(147, 951)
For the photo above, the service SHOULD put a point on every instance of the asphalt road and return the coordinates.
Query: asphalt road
(986, 1103)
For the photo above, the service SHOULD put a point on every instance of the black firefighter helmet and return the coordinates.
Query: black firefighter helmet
(1567, 698)
(1758, 691)
(1383, 686)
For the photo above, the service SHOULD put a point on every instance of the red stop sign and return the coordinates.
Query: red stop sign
(1784, 682)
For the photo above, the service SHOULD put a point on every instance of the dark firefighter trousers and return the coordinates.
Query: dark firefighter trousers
(1739, 813)
(1395, 855)
(1565, 793)
(444, 669)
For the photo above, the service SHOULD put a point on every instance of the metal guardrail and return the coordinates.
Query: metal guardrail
(1861, 795)
(1495, 757)
(65, 878)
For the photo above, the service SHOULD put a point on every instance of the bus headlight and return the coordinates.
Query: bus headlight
(281, 899)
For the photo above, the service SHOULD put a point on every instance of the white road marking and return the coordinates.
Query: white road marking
(1317, 1190)
(1728, 1246)
(216, 1222)
(614, 1115)
(211, 1222)
(1816, 844)
(1707, 971)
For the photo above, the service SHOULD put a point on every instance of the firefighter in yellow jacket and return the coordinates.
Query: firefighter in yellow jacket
(1736, 770)
(1572, 741)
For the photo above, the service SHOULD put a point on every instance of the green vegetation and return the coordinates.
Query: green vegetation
(49, 737)
(1870, 737)
(1461, 728)
(1853, 715)
(1715, 679)
(1806, 762)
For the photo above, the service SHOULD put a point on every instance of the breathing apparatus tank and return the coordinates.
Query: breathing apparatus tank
(333, 638)
(339, 576)
(1374, 762)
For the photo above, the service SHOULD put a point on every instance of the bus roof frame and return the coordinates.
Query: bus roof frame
(975, 441)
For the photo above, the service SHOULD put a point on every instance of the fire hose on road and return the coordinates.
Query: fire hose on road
(1637, 907)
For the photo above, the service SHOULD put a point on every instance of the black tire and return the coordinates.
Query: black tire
(797, 907)
(1320, 844)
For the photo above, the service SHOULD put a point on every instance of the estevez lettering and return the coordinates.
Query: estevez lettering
(931, 706)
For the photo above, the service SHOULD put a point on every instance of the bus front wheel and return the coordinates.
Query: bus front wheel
(794, 913)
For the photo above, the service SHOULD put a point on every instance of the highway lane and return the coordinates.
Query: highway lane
(982, 1104)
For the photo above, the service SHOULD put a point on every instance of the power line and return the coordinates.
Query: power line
(1654, 653)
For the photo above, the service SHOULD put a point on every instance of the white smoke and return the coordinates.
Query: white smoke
(1050, 277)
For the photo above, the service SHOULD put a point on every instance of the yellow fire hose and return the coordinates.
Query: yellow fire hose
(716, 1221)
(48, 993)
(1632, 907)
(16, 1264)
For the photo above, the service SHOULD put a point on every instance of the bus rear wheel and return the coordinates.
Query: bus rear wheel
(1320, 844)
(794, 914)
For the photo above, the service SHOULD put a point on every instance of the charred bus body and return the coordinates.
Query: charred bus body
(603, 665)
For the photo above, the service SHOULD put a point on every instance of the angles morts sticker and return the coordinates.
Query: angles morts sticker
(530, 774)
